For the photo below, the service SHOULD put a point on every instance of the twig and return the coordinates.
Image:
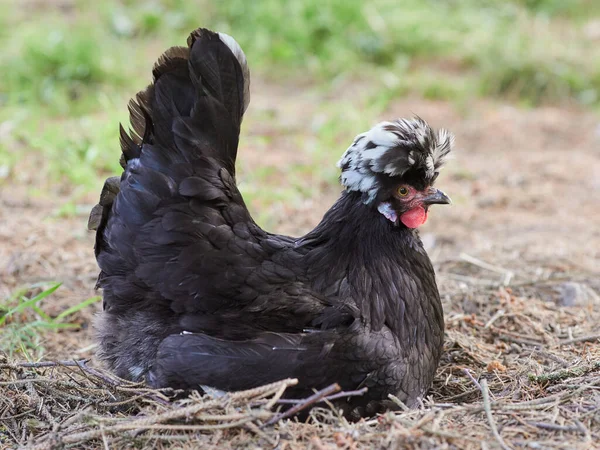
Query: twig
(472, 378)
(508, 274)
(256, 430)
(448, 435)
(516, 338)
(555, 358)
(591, 412)
(588, 338)
(583, 429)
(104, 440)
(95, 433)
(33, 380)
(86, 349)
(276, 397)
(74, 418)
(423, 421)
(466, 393)
(168, 437)
(488, 411)
(483, 282)
(262, 390)
(357, 393)
(117, 383)
(127, 401)
(556, 397)
(553, 426)
(89, 370)
(487, 407)
(40, 403)
(305, 404)
(495, 317)
(43, 364)
(316, 443)
(564, 373)
(398, 402)
(16, 416)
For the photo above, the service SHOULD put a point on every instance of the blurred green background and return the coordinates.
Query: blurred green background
(67, 68)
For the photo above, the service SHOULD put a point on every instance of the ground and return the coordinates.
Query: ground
(517, 254)
(524, 188)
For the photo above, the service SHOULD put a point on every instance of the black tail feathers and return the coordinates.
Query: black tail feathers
(224, 78)
(194, 107)
(202, 85)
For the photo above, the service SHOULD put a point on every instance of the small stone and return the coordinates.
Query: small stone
(576, 294)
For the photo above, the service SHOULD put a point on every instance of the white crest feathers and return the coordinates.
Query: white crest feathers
(393, 149)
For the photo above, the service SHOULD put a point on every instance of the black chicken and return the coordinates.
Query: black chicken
(197, 294)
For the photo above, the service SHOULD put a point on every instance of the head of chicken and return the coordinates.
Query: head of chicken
(394, 166)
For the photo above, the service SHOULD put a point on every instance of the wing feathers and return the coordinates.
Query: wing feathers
(211, 361)
(201, 189)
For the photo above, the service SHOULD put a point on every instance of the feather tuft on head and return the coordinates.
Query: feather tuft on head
(394, 149)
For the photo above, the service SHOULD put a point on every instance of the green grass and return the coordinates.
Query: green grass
(23, 321)
(54, 69)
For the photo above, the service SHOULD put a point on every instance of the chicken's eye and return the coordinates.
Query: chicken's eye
(403, 191)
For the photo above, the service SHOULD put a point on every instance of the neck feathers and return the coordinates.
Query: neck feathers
(381, 268)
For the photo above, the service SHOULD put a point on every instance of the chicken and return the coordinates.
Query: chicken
(197, 294)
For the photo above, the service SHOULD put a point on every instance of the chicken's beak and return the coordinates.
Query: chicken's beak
(434, 196)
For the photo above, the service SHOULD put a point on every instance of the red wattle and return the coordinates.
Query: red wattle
(415, 217)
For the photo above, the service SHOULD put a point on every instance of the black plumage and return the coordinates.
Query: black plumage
(196, 293)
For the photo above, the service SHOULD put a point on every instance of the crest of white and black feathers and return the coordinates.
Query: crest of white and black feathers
(394, 149)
